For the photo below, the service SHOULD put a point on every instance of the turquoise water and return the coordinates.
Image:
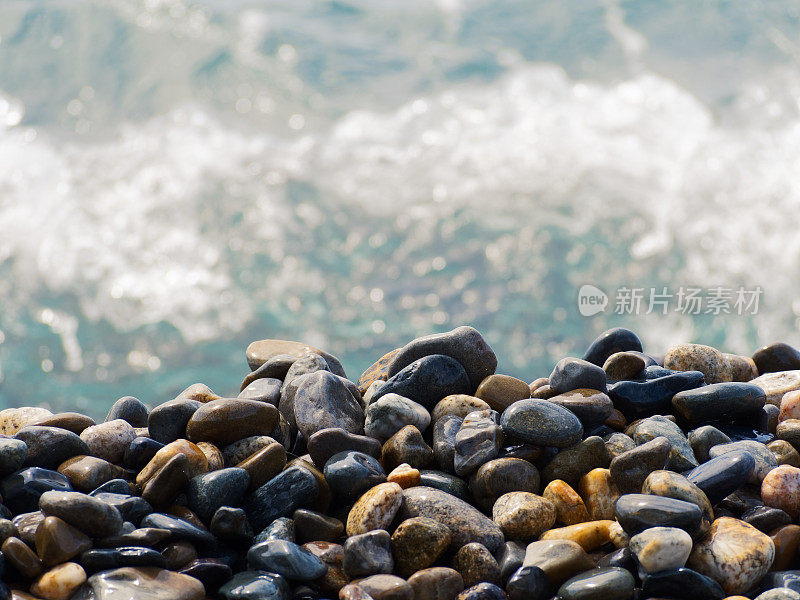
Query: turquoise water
(180, 178)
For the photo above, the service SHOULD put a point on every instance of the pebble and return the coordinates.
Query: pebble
(764, 459)
(630, 469)
(351, 473)
(375, 509)
(465, 522)
(781, 489)
(390, 413)
(444, 441)
(674, 485)
(590, 406)
(610, 583)
(734, 554)
(477, 441)
(617, 443)
(570, 464)
(790, 406)
(523, 516)
(197, 461)
(326, 442)
(776, 385)
(129, 582)
(71, 421)
(465, 344)
(13, 453)
(293, 488)
(681, 456)
(776, 357)
(406, 446)
(405, 476)
(324, 400)
(264, 464)
(718, 401)
(541, 423)
(228, 420)
(528, 583)
(286, 559)
(167, 421)
(589, 535)
(256, 585)
(704, 438)
(368, 554)
(427, 380)
(637, 512)
(500, 476)
(786, 540)
(49, 446)
(264, 389)
(59, 583)
(377, 371)
(482, 591)
(624, 365)
(161, 489)
(417, 543)
(501, 391)
(610, 342)
(91, 515)
(21, 557)
(723, 475)
(261, 351)
(436, 583)
(87, 473)
(113, 558)
(697, 357)
(57, 541)
(14, 419)
(559, 559)
(574, 374)
(241, 450)
(476, 564)
(661, 548)
(636, 399)
(683, 584)
(459, 405)
(224, 487)
(599, 493)
(569, 506)
(129, 409)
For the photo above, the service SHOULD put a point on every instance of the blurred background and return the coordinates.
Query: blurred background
(179, 178)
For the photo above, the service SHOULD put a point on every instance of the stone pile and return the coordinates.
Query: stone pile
(622, 475)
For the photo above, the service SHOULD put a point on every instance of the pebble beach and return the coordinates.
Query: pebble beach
(628, 473)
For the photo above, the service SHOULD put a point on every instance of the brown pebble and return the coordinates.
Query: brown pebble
(436, 583)
(179, 554)
(476, 564)
(198, 463)
(375, 509)
(264, 464)
(59, 583)
(569, 506)
(786, 540)
(57, 541)
(404, 475)
(599, 494)
(501, 391)
(22, 557)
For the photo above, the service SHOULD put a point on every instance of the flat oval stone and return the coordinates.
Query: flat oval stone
(522, 515)
(326, 442)
(624, 365)
(542, 423)
(21, 491)
(734, 554)
(786, 540)
(697, 357)
(723, 475)
(574, 374)
(256, 585)
(149, 537)
(776, 357)
(179, 529)
(617, 443)
(610, 342)
(500, 476)
(227, 420)
(91, 515)
(12, 455)
(466, 523)
(559, 559)
(48, 447)
(764, 459)
(261, 351)
(637, 512)
(287, 559)
(465, 344)
(350, 474)
(87, 473)
(240, 450)
(501, 391)
(144, 583)
(71, 421)
(162, 488)
(311, 526)
(21, 557)
(592, 407)
(114, 558)
(265, 389)
(167, 422)
(673, 485)
(427, 380)
(661, 548)
(375, 509)
(611, 583)
(682, 583)
(781, 489)
(390, 413)
(293, 488)
(775, 385)
(718, 401)
(209, 491)
(636, 399)
(436, 583)
(323, 400)
(14, 419)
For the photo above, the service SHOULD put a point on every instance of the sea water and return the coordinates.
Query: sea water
(180, 178)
